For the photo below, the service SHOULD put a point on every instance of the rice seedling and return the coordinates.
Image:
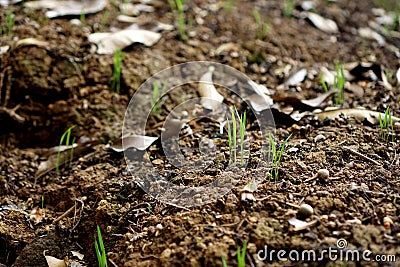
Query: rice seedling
(275, 155)
(232, 135)
(104, 19)
(323, 83)
(339, 83)
(241, 255)
(116, 81)
(288, 8)
(262, 27)
(224, 264)
(242, 131)
(100, 250)
(67, 136)
(386, 126)
(10, 23)
(177, 7)
(157, 93)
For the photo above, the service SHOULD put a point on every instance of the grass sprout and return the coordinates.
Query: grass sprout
(241, 255)
(116, 81)
(10, 23)
(288, 8)
(104, 19)
(177, 7)
(275, 155)
(339, 83)
(232, 135)
(224, 264)
(386, 125)
(67, 137)
(323, 83)
(157, 93)
(262, 27)
(100, 250)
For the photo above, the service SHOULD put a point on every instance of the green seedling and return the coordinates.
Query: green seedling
(229, 5)
(82, 15)
(386, 125)
(288, 8)
(177, 7)
(323, 83)
(149, 208)
(116, 81)
(224, 264)
(42, 201)
(339, 83)
(241, 255)
(104, 19)
(232, 135)
(100, 250)
(10, 23)
(157, 93)
(275, 156)
(262, 27)
(67, 136)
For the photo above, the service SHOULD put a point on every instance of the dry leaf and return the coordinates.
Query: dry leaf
(211, 99)
(140, 142)
(77, 254)
(301, 225)
(108, 43)
(259, 101)
(325, 25)
(32, 41)
(304, 104)
(296, 78)
(54, 262)
(67, 8)
(327, 76)
(358, 113)
(367, 33)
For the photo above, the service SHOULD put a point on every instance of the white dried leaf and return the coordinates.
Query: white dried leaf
(140, 142)
(32, 41)
(211, 99)
(4, 49)
(54, 262)
(367, 33)
(67, 8)
(398, 76)
(77, 254)
(296, 78)
(358, 113)
(301, 225)
(325, 25)
(259, 101)
(327, 75)
(108, 43)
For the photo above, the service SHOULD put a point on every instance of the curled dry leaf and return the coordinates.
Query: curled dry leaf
(304, 104)
(211, 99)
(140, 142)
(67, 8)
(9, 2)
(301, 225)
(259, 101)
(327, 75)
(398, 76)
(367, 33)
(325, 25)
(108, 43)
(357, 113)
(32, 41)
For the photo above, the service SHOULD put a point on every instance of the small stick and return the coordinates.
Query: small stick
(361, 155)
(65, 214)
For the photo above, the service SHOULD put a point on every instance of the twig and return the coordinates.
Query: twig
(361, 155)
(65, 214)
(12, 113)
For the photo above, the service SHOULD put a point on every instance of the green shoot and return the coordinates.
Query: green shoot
(177, 6)
(229, 5)
(339, 83)
(322, 80)
(262, 27)
(104, 19)
(275, 156)
(288, 8)
(149, 208)
(10, 23)
(82, 16)
(232, 135)
(67, 136)
(156, 105)
(100, 250)
(386, 126)
(116, 82)
(241, 255)
(242, 131)
(224, 264)
(394, 200)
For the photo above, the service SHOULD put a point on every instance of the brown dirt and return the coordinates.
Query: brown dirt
(64, 84)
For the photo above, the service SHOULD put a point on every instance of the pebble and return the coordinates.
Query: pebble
(318, 138)
(387, 222)
(305, 210)
(323, 174)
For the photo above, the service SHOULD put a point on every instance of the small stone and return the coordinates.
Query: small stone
(305, 210)
(318, 138)
(75, 22)
(387, 222)
(157, 161)
(323, 174)
(166, 254)
(159, 226)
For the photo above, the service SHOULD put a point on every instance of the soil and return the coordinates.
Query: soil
(44, 90)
